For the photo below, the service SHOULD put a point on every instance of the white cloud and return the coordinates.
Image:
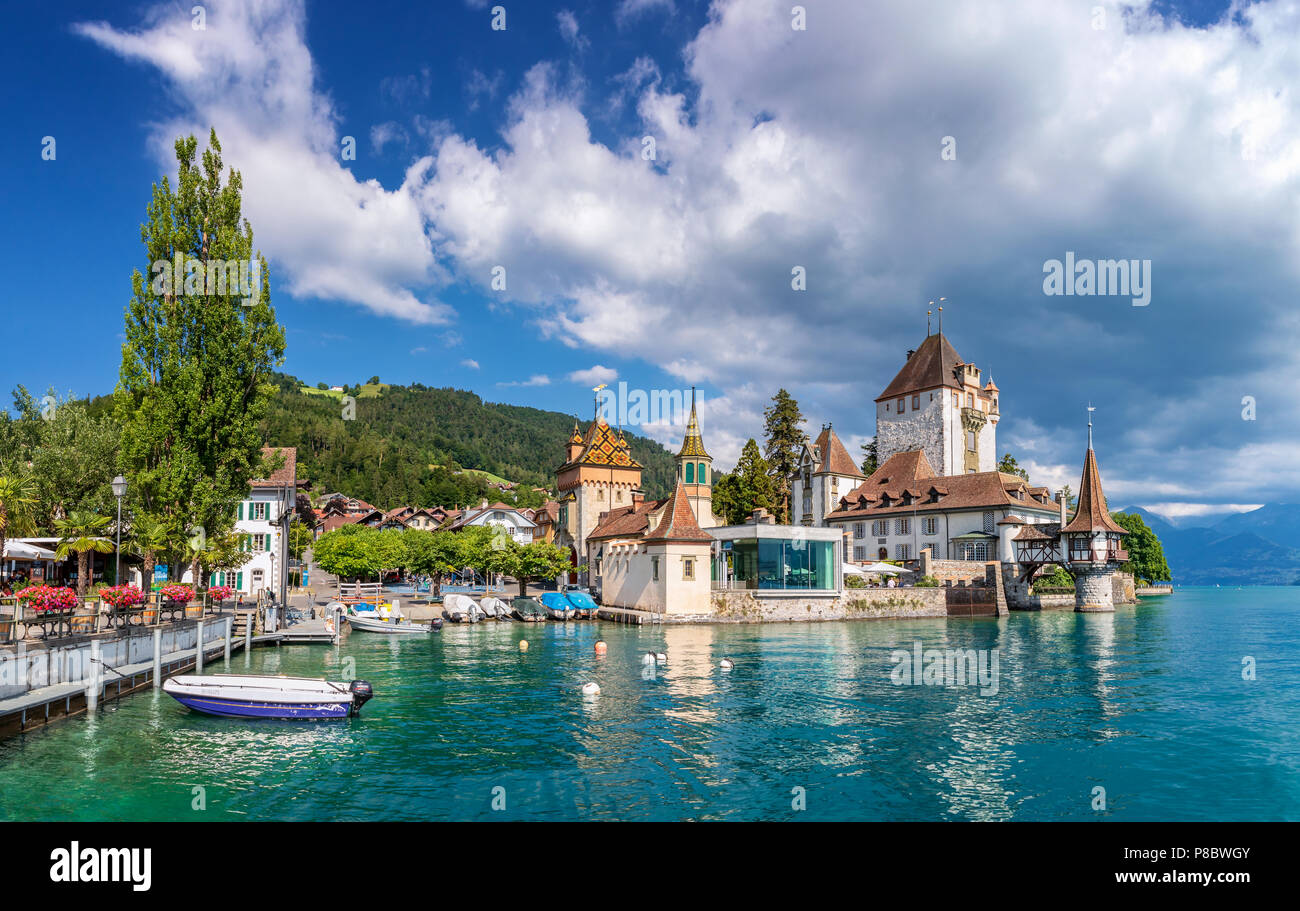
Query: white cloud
(537, 379)
(250, 76)
(594, 375)
(470, 363)
(568, 24)
(631, 9)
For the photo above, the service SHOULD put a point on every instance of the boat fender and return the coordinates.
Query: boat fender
(591, 689)
(523, 645)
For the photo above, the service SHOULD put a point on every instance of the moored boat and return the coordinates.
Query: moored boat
(460, 608)
(393, 626)
(529, 610)
(495, 608)
(558, 607)
(583, 605)
(268, 696)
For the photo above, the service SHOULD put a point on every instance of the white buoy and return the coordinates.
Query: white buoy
(726, 664)
(591, 689)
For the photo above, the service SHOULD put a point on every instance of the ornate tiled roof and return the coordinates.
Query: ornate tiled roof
(576, 437)
(602, 447)
(693, 442)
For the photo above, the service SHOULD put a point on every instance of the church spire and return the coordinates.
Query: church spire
(693, 441)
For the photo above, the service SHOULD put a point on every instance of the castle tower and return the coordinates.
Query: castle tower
(936, 403)
(598, 475)
(1092, 542)
(695, 471)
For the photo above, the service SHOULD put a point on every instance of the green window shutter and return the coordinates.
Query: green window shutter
(699, 473)
(690, 473)
(239, 581)
(268, 543)
(241, 509)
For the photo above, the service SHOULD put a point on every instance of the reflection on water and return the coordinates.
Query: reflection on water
(1148, 702)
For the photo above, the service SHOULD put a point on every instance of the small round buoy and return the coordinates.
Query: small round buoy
(591, 689)
(601, 647)
(661, 658)
(523, 645)
(649, 658)
(726, 664)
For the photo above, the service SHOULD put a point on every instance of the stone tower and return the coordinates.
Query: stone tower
(1092, 542)
(695, 471)
(598, 475)
(937, 404)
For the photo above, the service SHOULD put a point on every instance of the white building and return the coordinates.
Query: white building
(511, 521)
(825, 473)
(937, 404)
(262, 522)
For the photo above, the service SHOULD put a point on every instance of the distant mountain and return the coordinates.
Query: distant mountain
(1250, 548)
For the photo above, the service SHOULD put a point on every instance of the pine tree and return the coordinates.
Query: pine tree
(1009, 465)
(752, 486)
(785, 438)
(201, 344)
(870, 457)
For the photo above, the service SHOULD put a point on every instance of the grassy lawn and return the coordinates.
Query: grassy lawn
(368, 391)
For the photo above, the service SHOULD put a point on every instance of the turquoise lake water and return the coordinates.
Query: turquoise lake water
(1148, 703)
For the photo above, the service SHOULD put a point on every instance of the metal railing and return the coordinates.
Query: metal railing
(19, 622)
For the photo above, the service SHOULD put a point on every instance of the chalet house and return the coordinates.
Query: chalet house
(824, 473)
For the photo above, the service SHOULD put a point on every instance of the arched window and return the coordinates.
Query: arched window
(690, 473)
(699, 474)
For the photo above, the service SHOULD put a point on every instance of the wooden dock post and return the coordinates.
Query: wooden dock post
(157, 657)
(198, 650)
(230, 628)
(248, 634)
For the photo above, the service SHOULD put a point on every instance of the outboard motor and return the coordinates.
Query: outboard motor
(362, 693)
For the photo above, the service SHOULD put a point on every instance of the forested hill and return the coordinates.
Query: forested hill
(405, 443)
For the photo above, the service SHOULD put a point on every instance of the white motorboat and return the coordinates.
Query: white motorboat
(395, 625)
(462, 609)
(268, 696)
(495, 608)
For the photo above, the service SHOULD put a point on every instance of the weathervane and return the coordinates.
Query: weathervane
(1091, 409)
(941, 300)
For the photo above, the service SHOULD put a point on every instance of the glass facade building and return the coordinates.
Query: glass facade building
(778, 563)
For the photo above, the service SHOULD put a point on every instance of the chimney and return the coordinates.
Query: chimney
(1060, 498)
(637, 498)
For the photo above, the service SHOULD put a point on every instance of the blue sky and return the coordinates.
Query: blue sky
(1119, 136)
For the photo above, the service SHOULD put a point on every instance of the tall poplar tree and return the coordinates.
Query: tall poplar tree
(201, 344)
(785, 439)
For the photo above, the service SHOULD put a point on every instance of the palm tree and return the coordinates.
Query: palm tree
(17, 505)
(82, 533)
(152, 538)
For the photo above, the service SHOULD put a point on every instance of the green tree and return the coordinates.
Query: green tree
(534, 562)
(748, 487)
(350, 553)
(1009, 465)
(300, 538)
(17, 505)
(155, 539)
(1146, 555)
(433, 553)
(870, 457)
(197, 363)
(784, 437)
(82, 533)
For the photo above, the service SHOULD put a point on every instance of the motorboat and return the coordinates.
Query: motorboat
(393, 625)
(460, 608)
(557, 606)
(529, 610)
(268, 696)
(495, 608)
(584, 607)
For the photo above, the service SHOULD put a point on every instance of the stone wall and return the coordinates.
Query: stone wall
(1124, 589)
(953, 571)
(1094, 589)
(853, 604)
(913, 430)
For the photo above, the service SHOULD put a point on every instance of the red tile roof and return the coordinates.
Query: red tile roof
(1091, 514)
(626, 521)
(933, 364)
(284, 476)
(678, 522)
(832, 456)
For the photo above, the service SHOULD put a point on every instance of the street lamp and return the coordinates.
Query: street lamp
(119, 491)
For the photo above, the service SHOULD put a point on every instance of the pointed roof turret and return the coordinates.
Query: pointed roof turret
(576, 436)
(1091, 515)
(933, 364)
(693, 441)
(831, 455)
(602, 447)
(678, 522)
